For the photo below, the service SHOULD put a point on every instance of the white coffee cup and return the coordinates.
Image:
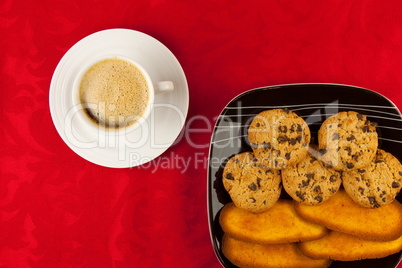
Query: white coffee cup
(84, 121)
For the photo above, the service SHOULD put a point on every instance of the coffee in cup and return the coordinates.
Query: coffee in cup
(115, 93)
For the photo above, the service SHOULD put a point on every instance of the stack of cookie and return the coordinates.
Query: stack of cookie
(270, 238)
(356, 232)
(291, 234)
(347, 154)
(279, 139)
(348, 143)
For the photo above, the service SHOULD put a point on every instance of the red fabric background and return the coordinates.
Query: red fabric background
(58, 210)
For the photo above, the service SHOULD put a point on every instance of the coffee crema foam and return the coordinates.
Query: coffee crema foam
(114, 93)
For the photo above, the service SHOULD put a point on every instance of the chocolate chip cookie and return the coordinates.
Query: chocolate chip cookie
(250, 185)
(376, 184)
(347, 141)
(310, 182)
(279, 138)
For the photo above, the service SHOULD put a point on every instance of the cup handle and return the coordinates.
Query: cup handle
(164, 86)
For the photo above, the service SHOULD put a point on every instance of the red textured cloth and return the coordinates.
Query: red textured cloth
(58, 210)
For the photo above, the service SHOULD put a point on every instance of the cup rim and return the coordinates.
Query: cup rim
(91, 125)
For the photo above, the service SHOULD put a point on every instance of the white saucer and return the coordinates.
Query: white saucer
(165, 123)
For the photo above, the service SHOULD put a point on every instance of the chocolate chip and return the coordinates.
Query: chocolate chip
(357, 179)
(258, 125)
(266, 145)
(361, 190)
(349, 150)
(299, 128)
(400, 173)
(300, 195)
(317, 189)
(282, 139)
(373, 201)
(287, 156)
(335, 136)
(310, 175)
(355, 157)
(292, 141)
(318, 199)
(332, 178)
(293, 128)
(361, 170)
(312, 160)
(253, 187)
(229, 176)
(322, 151)
(379, 161)
(349, 165)
(252, 200)
(350, 138)
(305, 183)
(367, 124)
(283, 129)
(360, 116)
(259, 182)
(299, 138)
(365, 128)
(395, 184)
(254, 159)
(286, 110)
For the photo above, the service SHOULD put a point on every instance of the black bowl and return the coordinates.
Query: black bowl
(314, 103)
